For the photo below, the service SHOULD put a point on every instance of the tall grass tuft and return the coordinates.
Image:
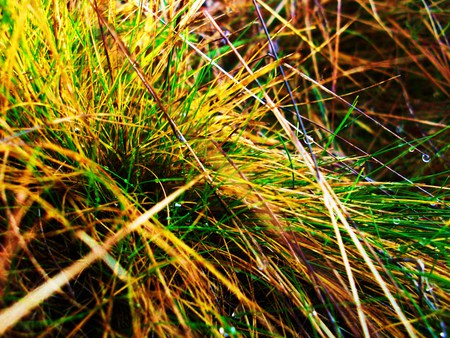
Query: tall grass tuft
(227, 168)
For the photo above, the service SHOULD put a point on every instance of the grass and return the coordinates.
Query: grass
(215, 170)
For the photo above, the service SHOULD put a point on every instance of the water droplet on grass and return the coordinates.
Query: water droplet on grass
(309, 139)
(426, 158)
(411, 149)
(434, 204)
(396, 221)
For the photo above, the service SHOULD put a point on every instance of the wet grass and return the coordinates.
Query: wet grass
(215, 170)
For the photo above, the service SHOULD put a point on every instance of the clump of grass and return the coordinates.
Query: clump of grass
(183, 170)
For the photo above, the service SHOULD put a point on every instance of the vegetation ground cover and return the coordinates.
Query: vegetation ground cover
(224, 168)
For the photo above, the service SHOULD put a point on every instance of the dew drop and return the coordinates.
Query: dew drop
(411, 149)
(396, 221)
(309, 139)
(313, 313)
(434, 204)
(426, 158)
